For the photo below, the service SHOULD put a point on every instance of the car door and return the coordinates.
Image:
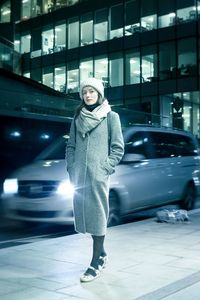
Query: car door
(145, 180)
(185, 162)
(163, 164)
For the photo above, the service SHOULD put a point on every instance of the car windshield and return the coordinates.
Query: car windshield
(55, 151)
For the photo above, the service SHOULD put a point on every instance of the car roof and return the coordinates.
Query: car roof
(137, 128)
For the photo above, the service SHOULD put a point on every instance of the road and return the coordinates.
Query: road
(13, 233)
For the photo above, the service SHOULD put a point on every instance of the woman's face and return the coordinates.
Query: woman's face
(90, 95)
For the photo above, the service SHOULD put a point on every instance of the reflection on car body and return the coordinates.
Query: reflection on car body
(160, 166)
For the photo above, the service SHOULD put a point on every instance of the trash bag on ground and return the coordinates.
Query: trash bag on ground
(172, 216)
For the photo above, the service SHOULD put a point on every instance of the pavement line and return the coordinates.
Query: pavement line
(172, 288)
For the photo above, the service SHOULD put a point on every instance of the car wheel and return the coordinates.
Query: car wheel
(114, 210)
(189, 198)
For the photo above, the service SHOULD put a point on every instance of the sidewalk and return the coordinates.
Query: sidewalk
(147, 261)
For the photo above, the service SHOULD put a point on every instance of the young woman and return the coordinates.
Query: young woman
(93, 150)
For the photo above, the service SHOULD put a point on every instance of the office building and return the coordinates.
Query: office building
(146, 53)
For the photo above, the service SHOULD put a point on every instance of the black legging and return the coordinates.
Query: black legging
(98, 249)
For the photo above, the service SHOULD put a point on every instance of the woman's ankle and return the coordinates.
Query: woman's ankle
(103, 254)
(95, 263)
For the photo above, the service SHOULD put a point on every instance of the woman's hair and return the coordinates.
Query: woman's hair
(99, 101)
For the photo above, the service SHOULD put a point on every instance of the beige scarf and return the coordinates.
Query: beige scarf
(87, 120)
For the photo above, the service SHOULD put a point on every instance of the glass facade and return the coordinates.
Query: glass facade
(101, 25)
(132, 17)
(73, 33)
(26, 10)
(48, 40)
(26, 43)
(35, 8)
(167, 60)
(149, 64)
(167, 20)
(5, 12)
(101, 69)
(110, 23)
(35, 74)
(47, 76)
(36, 49)
(86, 29)
(132, 67)
(86, 69)
(72, 77)
(145, 50)
(116, 21)
(186, 11)
(60, 37)
(10, 59)
(188, 110)
(116, 69)
(187, 57)
(60, 78)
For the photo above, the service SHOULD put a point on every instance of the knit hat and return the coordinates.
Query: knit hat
(93, 82)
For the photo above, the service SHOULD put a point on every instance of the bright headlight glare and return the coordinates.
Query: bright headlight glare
(10, 186)
(65, 188)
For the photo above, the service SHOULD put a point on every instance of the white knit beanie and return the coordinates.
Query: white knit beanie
(93, 82)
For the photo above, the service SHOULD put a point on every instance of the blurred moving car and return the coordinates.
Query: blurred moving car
(160, 166)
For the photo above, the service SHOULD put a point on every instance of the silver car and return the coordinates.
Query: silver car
(160, 166)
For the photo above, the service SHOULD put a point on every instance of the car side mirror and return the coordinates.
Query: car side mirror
(132, 157)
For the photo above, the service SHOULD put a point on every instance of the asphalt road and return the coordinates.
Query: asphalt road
(13, 233)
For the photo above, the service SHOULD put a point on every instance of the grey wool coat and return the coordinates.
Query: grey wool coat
(89, 164)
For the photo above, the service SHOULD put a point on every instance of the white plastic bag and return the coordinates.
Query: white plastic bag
(172, 216)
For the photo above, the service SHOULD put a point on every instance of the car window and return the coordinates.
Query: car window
(138, 143)
(172, 145)
(185, 146)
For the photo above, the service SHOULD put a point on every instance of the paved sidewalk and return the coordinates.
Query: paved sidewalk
(147, 261)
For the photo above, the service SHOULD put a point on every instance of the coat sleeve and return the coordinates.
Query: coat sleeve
(116, 144)
(70, 148)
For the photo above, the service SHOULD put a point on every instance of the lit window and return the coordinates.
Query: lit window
(101, 69)
(116, 21)
(47, 41)
(60, 38)
(101, 26)
(86, 30)
(72, 77)
(116, 70)
(5, 12)
(86, 69)
(25, 43)
(73, 33)
(60, 78)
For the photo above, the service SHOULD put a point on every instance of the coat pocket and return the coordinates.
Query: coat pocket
(104, 170)
(101, 173)
(108, 168)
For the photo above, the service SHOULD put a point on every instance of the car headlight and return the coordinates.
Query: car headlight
(10, 186)
(65, 188)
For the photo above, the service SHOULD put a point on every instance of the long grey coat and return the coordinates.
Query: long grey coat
(89, 167)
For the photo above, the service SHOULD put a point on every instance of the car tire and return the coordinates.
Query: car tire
(189, 198)
(114, 210)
